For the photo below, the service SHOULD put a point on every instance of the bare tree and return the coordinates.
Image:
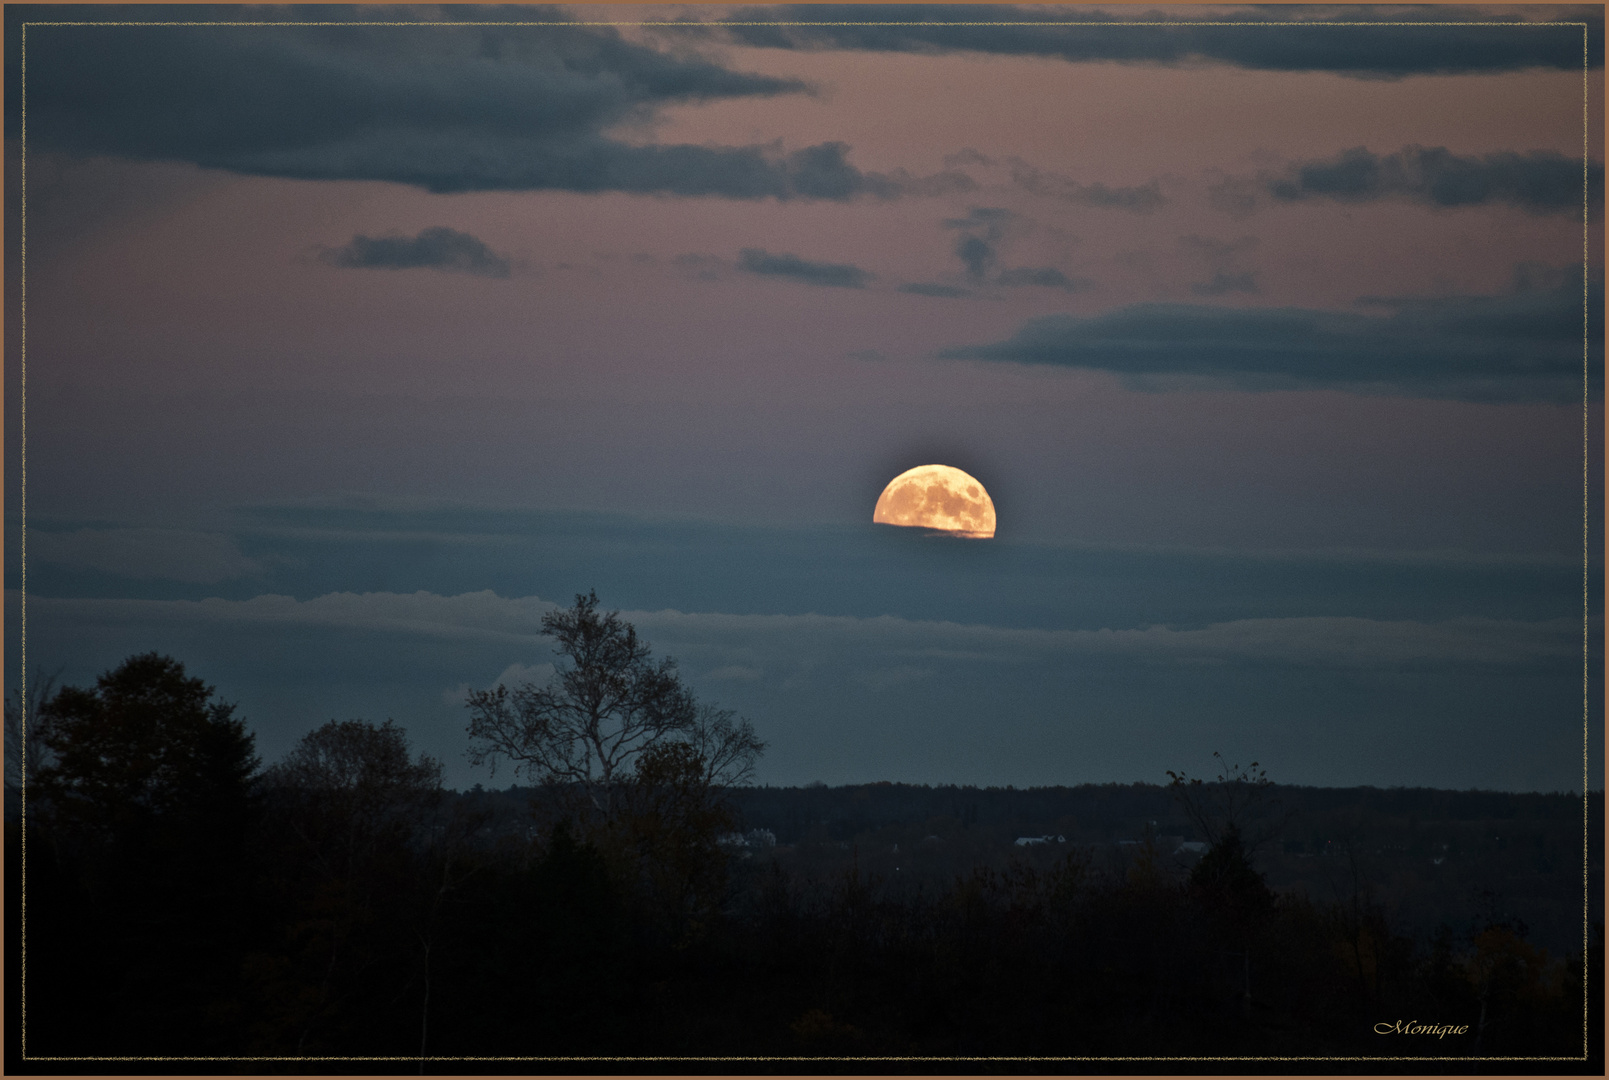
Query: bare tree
(26, 752)
(726, 744)
(600, 711)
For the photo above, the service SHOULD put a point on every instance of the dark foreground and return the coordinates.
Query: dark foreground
(294, 934)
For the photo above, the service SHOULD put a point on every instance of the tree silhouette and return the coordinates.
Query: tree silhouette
(145, 806)
(607, 705)
(350, 789)
(667, 827)
(148, 745)
(348, 807)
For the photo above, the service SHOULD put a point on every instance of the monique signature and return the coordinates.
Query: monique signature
(1414, 1027)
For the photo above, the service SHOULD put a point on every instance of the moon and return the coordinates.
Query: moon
(937, 497)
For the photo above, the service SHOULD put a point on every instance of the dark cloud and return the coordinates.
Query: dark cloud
(842, 275)
(445, 108)
(436, 249)
(933, 288)
(978, 248)
(1542, 181)
(981, 231)
(1045, 276)
(1284, 43)
(977, 254)
(1525, 345)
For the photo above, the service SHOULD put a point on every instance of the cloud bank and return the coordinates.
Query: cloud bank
(1282, 43)
(727, 646)
(442, 107)
(1523, 346)
(1543, 181)
(198, 558)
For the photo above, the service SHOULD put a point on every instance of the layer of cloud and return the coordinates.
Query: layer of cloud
(1542, 181)
(445, 108)
(197, 558)
(841, 275)
(1525, 345)
(749, 647)
(1282, 43)
(436, 248)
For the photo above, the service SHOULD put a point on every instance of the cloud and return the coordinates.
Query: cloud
(1045, 276)
(977, 254)
(841, 275)
(1543, 181)
(524, 673)
(934, 289)
(1138, 198)
(978, 248)
(475, 617)
(437, 248)
(197, 558)
(1525, 345)
(1283, 43)
(746, 647)
(981, 230)
(445, 108)
(513, 675)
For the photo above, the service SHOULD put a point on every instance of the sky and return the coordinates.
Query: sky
(1274, 334)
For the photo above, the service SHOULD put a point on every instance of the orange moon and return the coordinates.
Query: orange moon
(937, 497)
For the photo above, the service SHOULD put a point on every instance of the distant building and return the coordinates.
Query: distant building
(1029, 841)
(754, 838)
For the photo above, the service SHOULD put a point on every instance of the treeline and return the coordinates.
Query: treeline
(184, 901)
(1426, 856)
(1109, 812)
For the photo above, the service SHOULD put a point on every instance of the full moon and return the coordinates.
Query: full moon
(937, 497)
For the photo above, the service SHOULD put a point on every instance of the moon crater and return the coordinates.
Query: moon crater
(939, 497)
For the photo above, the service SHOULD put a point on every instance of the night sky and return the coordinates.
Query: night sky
(353, 349)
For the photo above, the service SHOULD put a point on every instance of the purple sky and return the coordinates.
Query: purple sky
(226, 313)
